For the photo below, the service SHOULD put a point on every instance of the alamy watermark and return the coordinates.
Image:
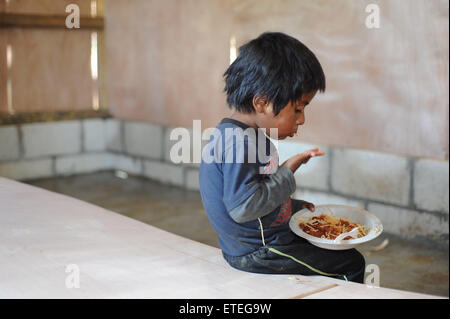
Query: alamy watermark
(373, 19)
(73, 19)
(373, 277)
(227, 145)
(73, 277)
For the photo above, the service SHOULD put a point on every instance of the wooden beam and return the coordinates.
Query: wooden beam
(51, 116)
(13, 20)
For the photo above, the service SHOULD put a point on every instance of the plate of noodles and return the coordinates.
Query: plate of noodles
(322, 226)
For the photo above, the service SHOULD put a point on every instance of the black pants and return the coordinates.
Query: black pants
(349, 263)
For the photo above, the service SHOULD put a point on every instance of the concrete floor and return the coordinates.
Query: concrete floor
(405, 265)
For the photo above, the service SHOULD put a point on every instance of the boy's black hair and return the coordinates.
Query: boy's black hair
(276, 66)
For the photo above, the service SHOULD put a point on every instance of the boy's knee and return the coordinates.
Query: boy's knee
(357, 268)
(355, 261)
(352, 265)
(359, 260)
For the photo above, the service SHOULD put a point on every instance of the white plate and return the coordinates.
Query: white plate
(354, 214)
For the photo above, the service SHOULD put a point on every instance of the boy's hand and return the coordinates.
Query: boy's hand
(295, 161)
(309, 205)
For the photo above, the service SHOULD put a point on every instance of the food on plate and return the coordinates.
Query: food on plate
(329, 227)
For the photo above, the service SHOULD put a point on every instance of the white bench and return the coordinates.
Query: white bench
(44, 234)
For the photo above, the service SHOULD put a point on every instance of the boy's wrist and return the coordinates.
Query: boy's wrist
(288, 174)
(297, 204)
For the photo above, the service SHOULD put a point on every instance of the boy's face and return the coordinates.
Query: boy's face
(289, 118)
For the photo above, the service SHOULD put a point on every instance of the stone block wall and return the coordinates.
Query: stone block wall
(409, 195)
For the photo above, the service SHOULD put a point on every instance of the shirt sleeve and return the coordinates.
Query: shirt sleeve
(240, 180)
(268, 194)
(297, 204)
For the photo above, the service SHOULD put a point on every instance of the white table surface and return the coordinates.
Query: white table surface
(42, 233)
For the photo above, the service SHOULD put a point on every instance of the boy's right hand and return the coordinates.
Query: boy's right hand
(295, 161)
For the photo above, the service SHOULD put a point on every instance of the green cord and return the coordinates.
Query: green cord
(293, 258)
(304, 264)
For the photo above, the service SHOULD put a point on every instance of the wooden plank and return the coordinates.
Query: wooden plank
(118, 257)
(351, 290)
(51, 116)
(315, 291)
(14, 20)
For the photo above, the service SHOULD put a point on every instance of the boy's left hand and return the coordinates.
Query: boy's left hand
(309, 205)
(302, 158)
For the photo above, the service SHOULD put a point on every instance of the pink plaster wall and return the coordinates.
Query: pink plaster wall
(50, 69)
(43, 6)
(165, 60)
(387, 88)
(3, 76)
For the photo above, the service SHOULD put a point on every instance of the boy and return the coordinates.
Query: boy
(244, 192)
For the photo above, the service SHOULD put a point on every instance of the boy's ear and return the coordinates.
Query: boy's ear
(260, 104)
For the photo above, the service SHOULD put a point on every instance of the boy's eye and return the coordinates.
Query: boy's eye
(298, 111)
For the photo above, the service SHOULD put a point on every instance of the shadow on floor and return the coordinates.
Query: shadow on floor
(403, 264)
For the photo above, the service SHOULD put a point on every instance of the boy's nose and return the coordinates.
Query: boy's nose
(300, 120)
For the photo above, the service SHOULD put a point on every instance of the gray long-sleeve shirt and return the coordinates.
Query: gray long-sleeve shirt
(270, 194)
(240, 196)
